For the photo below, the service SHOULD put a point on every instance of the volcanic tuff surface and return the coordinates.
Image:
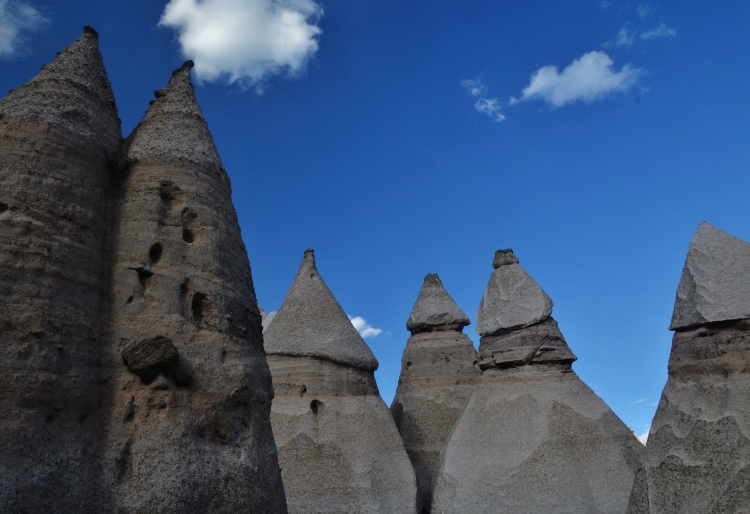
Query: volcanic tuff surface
(339, 449)
(436, 381)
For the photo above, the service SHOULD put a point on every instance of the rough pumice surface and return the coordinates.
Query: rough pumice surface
(311, 323)
(533, 437)
(189, 424)
(512, 298)
(58, 137)
(715, 283)
(698, 454)
(437, 376)
(339, 449)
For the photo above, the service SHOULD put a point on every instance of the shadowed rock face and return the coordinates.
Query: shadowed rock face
(189, 428)
(698, 454)
(533, 437)
(59, 135)
(436, 381)
(339, 449)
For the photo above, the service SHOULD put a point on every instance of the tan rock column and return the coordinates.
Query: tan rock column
(437, 379)
(59, 140)
(698, 453)
(338, 446)
(190, 424)
(533, 438)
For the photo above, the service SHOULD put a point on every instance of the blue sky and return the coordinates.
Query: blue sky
(400, 138)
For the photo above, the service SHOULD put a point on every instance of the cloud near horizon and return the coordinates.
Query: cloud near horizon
(364, 328)
(17, 19)
(588, 78)
(245, 42)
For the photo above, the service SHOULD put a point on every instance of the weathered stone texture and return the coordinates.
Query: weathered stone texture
(435, 309)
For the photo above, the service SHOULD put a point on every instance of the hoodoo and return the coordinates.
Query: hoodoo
(190, 429)
(533, 438)
(59, 139)
(339, 449)
(437, 376)
(698, 454)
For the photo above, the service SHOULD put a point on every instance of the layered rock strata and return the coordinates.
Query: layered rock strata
(698, 454)
(437, 379)
(59, 140)
(339, 449)
(190, 428)
(533, 437)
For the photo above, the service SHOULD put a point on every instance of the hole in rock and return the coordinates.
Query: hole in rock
(155, 253)
(129, 300)
(169, 191)
(316, 406)
(408, 363)
(303, 390)
(187, 235)
(199, 306)
(4, 207)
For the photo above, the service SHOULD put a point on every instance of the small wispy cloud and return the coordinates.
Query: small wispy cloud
(625, 38)
(660, 31)
(245, 42)
(364, 328)
(653, 404)
(588, 78)
(18, 19)
(605, 4)
(638, 401)
(644, 10)
(483, 103)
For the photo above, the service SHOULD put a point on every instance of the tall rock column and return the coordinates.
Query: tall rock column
(533, 438)
(698, 454)
(59, 140)
(437, 379)
(190, 424)
(338, 446)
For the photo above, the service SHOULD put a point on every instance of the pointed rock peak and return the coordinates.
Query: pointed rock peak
(174, 128)
(715, 282)
(71, 93)
(311, 323)
(435, 309)
(512, 299)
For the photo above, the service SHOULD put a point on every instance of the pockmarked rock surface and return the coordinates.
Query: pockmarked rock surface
(339, 449)
(437, 378)
(533, 437)
(59, 140)
(189, 426)
(698, 453)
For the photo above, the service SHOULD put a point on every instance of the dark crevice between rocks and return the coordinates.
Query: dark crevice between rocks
(189, 221)
(200, 305)
(143, 275)
(155, 252)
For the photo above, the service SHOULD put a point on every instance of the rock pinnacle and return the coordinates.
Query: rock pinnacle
(435, 309)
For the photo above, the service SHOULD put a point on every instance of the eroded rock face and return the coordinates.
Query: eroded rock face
(59, 137)
(189, 429)
(698, 454)
(533, 437)
(437, 379)
(339, 449)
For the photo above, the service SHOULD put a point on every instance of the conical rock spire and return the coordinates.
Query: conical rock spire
(72, 93)
(435, 309)
(512, 299)
(174, 127)
(311, 323)
(715, 282)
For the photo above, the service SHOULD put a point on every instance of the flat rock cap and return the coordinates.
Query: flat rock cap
(715, 282)
(512, 298)
(435, 308)
(311, 323)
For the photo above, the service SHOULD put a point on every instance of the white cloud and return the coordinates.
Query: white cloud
(364, 328)
(587, 78)
(489, 106)
(638, 401)
(653, 404)
(17, 19)
(625, 38)
(266, 319)
(245, 41)
(658, 32)
(644, 436)
(605, 4)
(644, 10)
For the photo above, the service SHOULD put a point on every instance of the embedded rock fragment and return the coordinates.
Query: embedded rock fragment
(533, 437)
(698, 454)
(148, 357)
(437, 376)
(339, 449)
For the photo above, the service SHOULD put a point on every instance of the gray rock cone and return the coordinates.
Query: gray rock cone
(59, 135)
(698, 453)
(437, 378)
(533, 437)
(189, 428)
(339, 449)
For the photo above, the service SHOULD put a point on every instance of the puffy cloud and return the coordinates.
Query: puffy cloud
(245, 41)
(489, 106)
(364, 328)
(17, 19)
(587, 78)
(661, 31)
